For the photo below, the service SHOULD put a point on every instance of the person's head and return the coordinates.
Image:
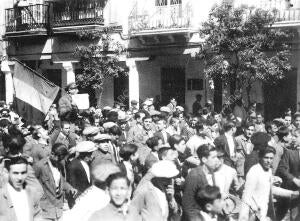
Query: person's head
(266, 157)
(40, 133)
(271, 128)
(173, 101)
(208, 156)
(259, 118)
(193, 121)
(65, 127)
(17, 171)
(218, 117)
(174, 122)
(161, 124)
(129, 152)
(14, 145)
(4, 124)
(102, 142)
(115, 132)
(138, 116)
(154, 143)
(85, 150)
(297, 120)
(100, 172)
(72, 89)
(122, 125)
(205, 111)
(163, 171)
(177, 142)
(229, 127)
(248, 129)
(198, 97)
(284, 135)
(59, 152)
(118, 188)
(210, 200)
(288, 120)
(147, 122)
(167, 153)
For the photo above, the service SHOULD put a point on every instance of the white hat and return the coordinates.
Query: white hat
(165, 109)
(85, 147)
(164, 168)
(180, 108)
(91, 130)
(100, 137)
(108, 125)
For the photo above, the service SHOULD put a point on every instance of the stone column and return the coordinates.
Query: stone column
(134, 86)
(9, 86)
(68, 74)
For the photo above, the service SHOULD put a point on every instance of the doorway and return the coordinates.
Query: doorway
(281, 96)
(173, 85)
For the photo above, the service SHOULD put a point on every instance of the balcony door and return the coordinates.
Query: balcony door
(173, 84)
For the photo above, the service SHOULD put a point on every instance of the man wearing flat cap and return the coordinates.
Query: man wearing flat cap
(68, 110)
(78, 171)
(104, 152)
(90, 132)
(154, 199)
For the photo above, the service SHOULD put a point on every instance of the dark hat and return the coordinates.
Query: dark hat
(260, 139)
(4, 110)
(71, 86)
(134, 102)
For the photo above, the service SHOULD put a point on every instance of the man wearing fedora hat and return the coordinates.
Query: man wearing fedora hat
(68, 110)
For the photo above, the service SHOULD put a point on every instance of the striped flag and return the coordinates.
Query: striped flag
(33, 94)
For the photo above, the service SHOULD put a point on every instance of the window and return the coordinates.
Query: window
(195, 84)
(176, 2)
(161, 2)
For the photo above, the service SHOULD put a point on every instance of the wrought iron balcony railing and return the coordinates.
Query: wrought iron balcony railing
(46, 17)
(165, 18)
(32, 17)
(78, 17)
(289, 15)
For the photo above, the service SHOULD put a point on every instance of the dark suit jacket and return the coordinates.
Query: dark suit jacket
(51, 202)
(160, 135)
(77, 177)
(222, 142)
(289, 168)
(194, 180)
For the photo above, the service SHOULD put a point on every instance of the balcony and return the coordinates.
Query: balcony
(52, 18)
(27, 21)
(288, 17)
(161, 20)
(87, 15)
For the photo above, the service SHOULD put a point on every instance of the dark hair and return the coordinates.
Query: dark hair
(175, 139)
(115, 130)
(152, 142)
(247, 124)
(162, 152)
(282, 132)
(263, 151)
(146, 117)
(14, 130)
(59, 148)
(204, 150)
(207, 194)
(268, 125)
(116, 176)
(112, 116)
(15, 144)
(128, 150)
(4, 123)
(228, 126)
(14, 160)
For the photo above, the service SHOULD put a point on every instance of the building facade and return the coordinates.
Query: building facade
(161, 40)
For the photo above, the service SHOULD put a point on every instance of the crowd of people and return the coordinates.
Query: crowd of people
(149, 162)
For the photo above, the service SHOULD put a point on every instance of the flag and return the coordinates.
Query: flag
(33, 94)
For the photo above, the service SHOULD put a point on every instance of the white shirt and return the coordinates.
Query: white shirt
(129, 171)
(207, 217)
(86, 169)
(230, 144)
(224, 177)
(90, 201)
(55, 174)
(20, 202)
